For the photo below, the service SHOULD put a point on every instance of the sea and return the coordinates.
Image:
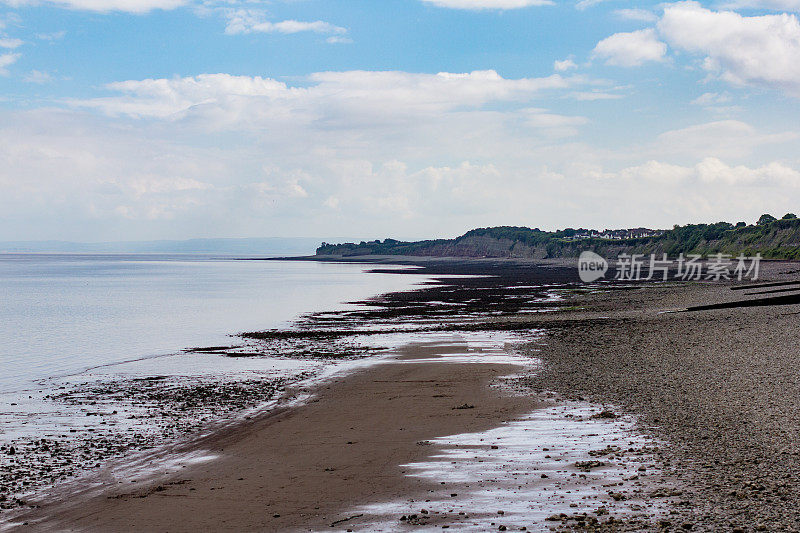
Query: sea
(66, 314)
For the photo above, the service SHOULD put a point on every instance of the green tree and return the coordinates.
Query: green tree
(789, 216)
(766, 219)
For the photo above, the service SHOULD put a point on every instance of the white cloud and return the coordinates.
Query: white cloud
(361, 143)
(488, 4)
(54, 36)
(352, 97)
(584, 4)
(37, 76)
(254, 21)
(775, 5)
(641, 15)
(552, 124)
(165, 97)
(66, 174)
(707, 99)
(591, 96)
(337, 39)
(6, 60)
(105, 6)
(762, 50)
(713, 171)
(631, 49)
(338, 152)
(292, 26)
(7, 42)
(564, 65)
(723, 139)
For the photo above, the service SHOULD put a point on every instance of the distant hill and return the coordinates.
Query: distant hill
(257, 246)
(772, 238)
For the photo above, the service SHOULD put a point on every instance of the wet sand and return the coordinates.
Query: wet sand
(303, 467)
(433, 426)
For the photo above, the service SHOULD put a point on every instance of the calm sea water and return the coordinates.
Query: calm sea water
(63, 314)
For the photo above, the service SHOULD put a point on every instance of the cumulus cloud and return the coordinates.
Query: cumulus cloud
(362, 144)
(761, 50)
(105, 6)
(488, 4)
(641, 15)
(37, 76)
(707, 99)
(631, 49)
(593, 95)
(54, 36)
(336, 97)
(713, 171)
(106, 175)
(585, 4)
(6, 60)
(7, 42)
(254, 21)
(165, 97)
(774, 5)
(338, 39)
(564, 65)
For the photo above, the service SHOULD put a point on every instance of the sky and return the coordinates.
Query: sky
(173, 119)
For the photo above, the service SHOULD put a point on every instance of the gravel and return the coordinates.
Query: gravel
(721, 388)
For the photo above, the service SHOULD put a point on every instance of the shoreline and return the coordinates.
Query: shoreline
(720, 385)
(603, 347)
(341, 457)
(45, 461)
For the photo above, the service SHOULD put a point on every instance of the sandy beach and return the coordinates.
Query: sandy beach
(320, 465)
(617, 410)
(301, 468)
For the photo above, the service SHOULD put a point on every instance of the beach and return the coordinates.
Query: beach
(342, 460)
(546, 406)
(722, 387)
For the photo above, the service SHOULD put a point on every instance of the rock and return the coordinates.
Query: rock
(588, 465)
(605, 414)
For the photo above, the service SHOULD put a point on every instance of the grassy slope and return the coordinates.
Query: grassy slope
(777, 240)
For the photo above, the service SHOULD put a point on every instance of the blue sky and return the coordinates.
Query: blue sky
(143, 119)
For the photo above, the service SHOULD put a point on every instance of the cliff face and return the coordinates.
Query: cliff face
(777, 240)
(485, 246)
